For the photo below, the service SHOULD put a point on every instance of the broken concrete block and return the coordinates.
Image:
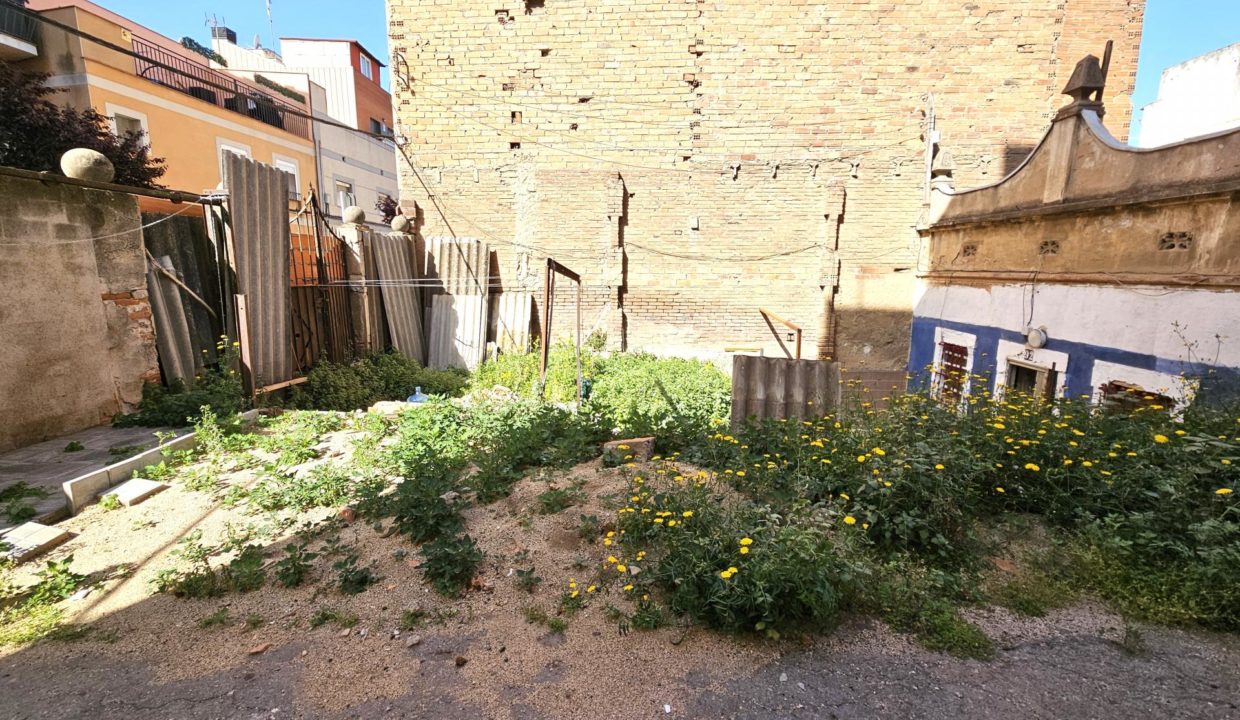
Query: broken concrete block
(33, 539)
(618, 452)
(134, 491)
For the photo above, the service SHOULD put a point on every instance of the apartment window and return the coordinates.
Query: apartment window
(368, 68)
(1034, 380)
(126, 125)
(224, 148)
(294, 175)
(125, 121)
(344, 195)
(379, 127)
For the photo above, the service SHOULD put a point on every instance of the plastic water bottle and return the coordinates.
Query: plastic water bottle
(418, 396)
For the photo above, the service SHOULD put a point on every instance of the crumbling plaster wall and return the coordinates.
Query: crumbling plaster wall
(78, 338)
(757, 146)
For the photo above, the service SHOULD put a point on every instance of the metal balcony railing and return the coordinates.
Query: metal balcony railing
(15, 24)
(180, 73)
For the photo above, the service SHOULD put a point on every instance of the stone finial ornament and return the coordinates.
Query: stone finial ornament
(87, 164)
(401, 224)
(354, 215)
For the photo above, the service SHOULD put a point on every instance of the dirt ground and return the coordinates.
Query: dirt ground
(478, 657)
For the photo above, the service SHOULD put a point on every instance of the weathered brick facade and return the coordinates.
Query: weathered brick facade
(698, 159)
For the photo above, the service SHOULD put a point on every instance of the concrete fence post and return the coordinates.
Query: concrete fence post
(357, 240)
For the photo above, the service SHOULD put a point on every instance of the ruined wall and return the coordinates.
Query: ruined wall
(78, 338)
(697, 160)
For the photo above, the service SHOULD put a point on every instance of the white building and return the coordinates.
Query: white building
(1196, 97)
(341, 79)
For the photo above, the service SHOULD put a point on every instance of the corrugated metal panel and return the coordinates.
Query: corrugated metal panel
(258, 211)
(460, 271)
(402, 302)
(765, 387)
(172, 326)
(512, 326)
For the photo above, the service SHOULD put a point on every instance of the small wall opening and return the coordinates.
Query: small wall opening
(514, 146)
(533, 6)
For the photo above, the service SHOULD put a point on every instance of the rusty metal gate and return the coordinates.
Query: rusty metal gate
(319, 290)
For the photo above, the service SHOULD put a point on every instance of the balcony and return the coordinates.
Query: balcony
(217, 88)
(18, 33)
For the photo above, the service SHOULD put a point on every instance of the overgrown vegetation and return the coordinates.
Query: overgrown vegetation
(633, 393)
(362, 383)
(218, 388)
(26, 616)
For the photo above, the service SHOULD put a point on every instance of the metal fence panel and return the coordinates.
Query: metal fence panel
(402, 301)
(258, 210)
(459, 271)
(767, 387)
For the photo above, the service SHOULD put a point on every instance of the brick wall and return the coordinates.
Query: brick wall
(696, 160)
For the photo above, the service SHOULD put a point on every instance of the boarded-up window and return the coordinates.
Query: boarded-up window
(953, 372)
(1119, 397)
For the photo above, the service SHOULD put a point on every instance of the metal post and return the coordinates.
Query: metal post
(579, 389)
(546, 325)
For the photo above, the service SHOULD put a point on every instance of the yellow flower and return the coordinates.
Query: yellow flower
(865, 526)
(611, 559)
(671, 523)
(1225, 461)
(592, 588)
(628, 588)
(733, 570)
(574, 593)
(843, 496)
(740, 473)
(1223, 491)
(999, 426)
(999, 490)
(607, 541)
(860, 458)
(687, 513)
(1087, 463)
(1181, 433)
(621, 568)
(1032, 466)
(938, 466)
(1160, 438)
(746, 541)
(744, 551)
(850, 520)
(879, 451)
(725, 574)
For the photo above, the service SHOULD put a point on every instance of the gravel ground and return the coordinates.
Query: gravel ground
(147, 656)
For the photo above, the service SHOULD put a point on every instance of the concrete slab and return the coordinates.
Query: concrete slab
(135, 491)
(32, 539)
(50, 464)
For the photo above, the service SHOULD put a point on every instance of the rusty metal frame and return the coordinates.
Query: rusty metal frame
(554, 268)
(769, 316)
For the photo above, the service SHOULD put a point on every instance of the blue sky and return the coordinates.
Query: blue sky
(1175, 30)
(361, 20)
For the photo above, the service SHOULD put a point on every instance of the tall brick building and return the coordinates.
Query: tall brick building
(696, 160)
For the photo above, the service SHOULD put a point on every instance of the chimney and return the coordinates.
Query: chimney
(219, 32)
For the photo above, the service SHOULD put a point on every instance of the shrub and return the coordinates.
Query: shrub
(519, 372)
(362, 383)
(177, 405)
(671, 398)
(450, 563)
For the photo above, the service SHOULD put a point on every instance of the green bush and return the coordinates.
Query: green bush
(671, 398)
(179, 406)
(450, 563)
(519, 372)
(362, 383)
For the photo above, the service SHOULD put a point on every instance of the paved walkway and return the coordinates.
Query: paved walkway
(48, 464)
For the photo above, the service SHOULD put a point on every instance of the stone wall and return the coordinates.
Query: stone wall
(78, 338)
(698, 159)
